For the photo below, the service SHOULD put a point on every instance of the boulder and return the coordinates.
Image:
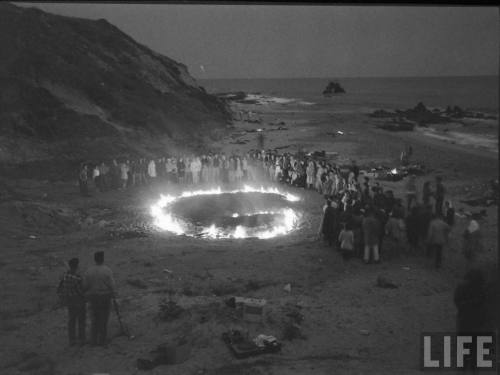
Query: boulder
(333, 87)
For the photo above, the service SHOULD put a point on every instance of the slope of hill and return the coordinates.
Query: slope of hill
(70, 84)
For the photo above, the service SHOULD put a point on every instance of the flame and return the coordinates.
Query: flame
(394, 171)
(285, 220)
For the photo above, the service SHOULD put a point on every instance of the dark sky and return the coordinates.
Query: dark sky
(263, 41)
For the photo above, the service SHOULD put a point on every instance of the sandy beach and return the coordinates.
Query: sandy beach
(346, 317)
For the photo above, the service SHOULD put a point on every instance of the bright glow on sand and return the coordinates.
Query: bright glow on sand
(285, 219)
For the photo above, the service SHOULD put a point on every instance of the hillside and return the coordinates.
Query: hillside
(73, 87)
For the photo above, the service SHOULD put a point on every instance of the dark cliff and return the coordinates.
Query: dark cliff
(69, 82)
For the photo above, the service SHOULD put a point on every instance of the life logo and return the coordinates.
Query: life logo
(452, 351)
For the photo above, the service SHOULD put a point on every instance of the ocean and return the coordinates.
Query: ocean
(367, 94)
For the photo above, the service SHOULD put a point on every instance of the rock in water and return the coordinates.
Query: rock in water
(333, 88)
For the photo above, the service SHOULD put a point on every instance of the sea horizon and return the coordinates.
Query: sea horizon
(349, 77)
(478, 93)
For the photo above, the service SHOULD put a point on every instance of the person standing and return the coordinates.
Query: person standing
(99, 287)
(115, 175)
(439, 195)
(411, 191)
(152, 170)
(310, 175)
(395, 233)
(238, 174)
(96, 177)
(83, 181)
(372, 229)
(329, 223)
(449, 213)
(437, 238)
(472, 242)
(319, 174)
(426, 193)
(346, 240)
(412, 229)
(124, 169)
(244, 167)
(181, 171)
(355, 169)
(217, 166)
(70, 291)
(471, 301)
(104, 176)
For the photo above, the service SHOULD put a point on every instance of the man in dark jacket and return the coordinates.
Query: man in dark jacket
(470, 298)
(70, 290)
(439, 195)
(329, 224)
(83, 181)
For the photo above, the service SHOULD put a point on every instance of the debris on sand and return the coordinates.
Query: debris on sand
(293, 320)
(169, 310)
(384, 282)
(292, 331)
(169, 353)
(250, 309)
(243, 347)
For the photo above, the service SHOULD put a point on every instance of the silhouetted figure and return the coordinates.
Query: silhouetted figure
(346, 240)
(411, 191)
(329, 223)
(412, 229)
(439, 196)
(437, 238)
(449, 213)
(426, 193)
(70, 291)
(83, 181)
(470, 298)
(472, 242)
(372, 229)
(99, 287)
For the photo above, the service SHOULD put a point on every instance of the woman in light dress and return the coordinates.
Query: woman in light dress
(310, 175)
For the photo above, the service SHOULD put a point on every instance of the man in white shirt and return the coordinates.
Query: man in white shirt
(99, 287)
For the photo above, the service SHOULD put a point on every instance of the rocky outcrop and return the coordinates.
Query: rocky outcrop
(422, 116)
(333, 88)
(67, 78)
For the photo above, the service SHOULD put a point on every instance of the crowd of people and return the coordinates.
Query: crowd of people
(360, 217)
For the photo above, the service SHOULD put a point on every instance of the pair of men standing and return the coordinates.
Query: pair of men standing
(97, 287)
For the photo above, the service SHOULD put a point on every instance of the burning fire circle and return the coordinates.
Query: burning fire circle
(216, 214)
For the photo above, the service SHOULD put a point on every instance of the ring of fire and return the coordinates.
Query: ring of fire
(243, 213)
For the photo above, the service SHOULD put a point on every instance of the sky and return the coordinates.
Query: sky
(294, 41)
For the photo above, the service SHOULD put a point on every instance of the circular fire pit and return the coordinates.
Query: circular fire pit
(244, 213)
